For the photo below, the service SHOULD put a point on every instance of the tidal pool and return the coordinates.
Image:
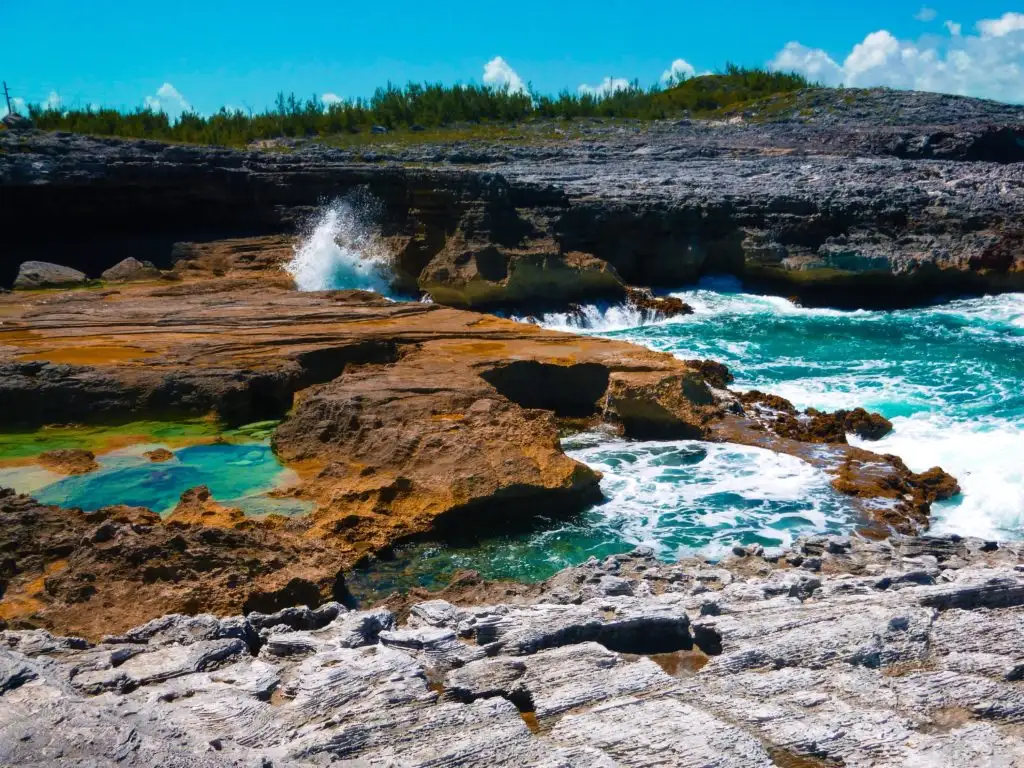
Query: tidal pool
(239, 469)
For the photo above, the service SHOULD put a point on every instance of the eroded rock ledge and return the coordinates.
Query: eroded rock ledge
(839, 652)
(403, 420)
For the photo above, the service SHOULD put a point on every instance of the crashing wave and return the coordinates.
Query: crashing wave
(339, 251)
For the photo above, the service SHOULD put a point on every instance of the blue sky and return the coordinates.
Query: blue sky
(242, 53)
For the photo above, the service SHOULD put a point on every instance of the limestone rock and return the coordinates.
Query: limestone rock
(481, 275)
(839, 668)
(654, 406)
(657, 307)
(798, 207)
(41, 274)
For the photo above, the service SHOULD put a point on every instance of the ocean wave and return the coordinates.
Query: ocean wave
(984, 454)
(947, 375)
(681, 497)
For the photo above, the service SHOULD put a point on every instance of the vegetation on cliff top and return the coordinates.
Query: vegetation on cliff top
(417, 107)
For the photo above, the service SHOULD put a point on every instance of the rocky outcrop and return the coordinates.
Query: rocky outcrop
(96, 573)
(393, 406)
(68, 461)
(661, 307)
(857, 213)
(814, 426)
(41, 274)
(837, 652)
(130, 269)
(159, 455)
(659, 407)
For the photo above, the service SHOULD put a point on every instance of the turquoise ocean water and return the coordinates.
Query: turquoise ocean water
(950, 376)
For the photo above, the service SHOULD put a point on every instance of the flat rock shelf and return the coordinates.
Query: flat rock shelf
(839, 652)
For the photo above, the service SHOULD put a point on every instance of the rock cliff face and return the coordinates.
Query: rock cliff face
(857, 212)
(840, 652)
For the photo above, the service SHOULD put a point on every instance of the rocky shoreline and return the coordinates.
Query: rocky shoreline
(403, 420)
(208, 637)
(839, 652)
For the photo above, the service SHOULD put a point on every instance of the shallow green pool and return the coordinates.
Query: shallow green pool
(240, 469)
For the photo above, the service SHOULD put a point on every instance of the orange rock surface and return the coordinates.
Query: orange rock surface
(402, 419)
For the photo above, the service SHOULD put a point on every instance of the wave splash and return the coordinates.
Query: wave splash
(339, 251)
(596, 318)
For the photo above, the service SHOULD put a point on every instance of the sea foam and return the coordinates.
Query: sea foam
(680, 497)
(948, 376)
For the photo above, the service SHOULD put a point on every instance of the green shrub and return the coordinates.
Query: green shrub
(424, 105)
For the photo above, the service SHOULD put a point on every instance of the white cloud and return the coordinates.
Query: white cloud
(19, 106)
(1006, 24)
(53, 101)
(607, 86)
(678, 70)
(926, 14)
(499, 74)
(812, 62)
(987, 65)
(330, 99)
(168, 100)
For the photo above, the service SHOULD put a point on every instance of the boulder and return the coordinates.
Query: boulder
(131, 269)
(655, 406)
(42, 274)
(159, 455)
(15, 122)
(659, 306)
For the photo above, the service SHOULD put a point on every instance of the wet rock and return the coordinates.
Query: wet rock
(660, 307)
(69, 461)
(870, 426)
(653, 406)
(715, 374)
(814, 425)
(131, 269)
(41, 274)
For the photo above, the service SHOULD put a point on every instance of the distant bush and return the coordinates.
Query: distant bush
(738, 85)
(426, 105)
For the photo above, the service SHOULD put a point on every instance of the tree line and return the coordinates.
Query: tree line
(427, 105)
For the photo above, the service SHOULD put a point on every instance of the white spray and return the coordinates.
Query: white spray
(339, 251)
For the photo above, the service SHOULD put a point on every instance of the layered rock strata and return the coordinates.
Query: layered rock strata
(864, 211)
(838, 652)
